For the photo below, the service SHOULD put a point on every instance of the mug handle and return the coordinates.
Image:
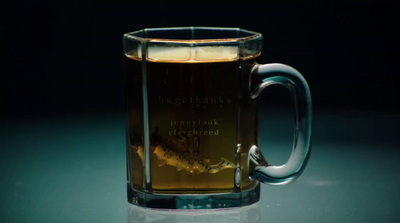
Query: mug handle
(262, 76)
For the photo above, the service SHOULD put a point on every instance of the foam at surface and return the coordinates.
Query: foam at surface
(191, 54)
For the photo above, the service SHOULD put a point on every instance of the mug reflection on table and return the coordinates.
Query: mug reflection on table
(232, 215)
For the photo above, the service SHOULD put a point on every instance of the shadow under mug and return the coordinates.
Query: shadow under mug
(192, 118)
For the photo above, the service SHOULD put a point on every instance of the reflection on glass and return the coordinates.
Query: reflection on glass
(232, 215)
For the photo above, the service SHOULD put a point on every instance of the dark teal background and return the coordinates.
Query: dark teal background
(62, 125)
(72, 169)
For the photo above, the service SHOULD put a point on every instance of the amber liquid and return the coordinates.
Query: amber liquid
(198, 112)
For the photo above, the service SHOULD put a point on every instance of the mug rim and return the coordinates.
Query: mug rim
(249, 35)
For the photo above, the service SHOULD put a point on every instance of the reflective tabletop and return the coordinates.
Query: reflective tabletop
(71, 168)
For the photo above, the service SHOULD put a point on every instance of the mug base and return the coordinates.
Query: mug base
(193, 201)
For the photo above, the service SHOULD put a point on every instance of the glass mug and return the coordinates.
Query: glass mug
(192, 121)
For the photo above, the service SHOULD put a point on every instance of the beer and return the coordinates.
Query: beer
(200, 117)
